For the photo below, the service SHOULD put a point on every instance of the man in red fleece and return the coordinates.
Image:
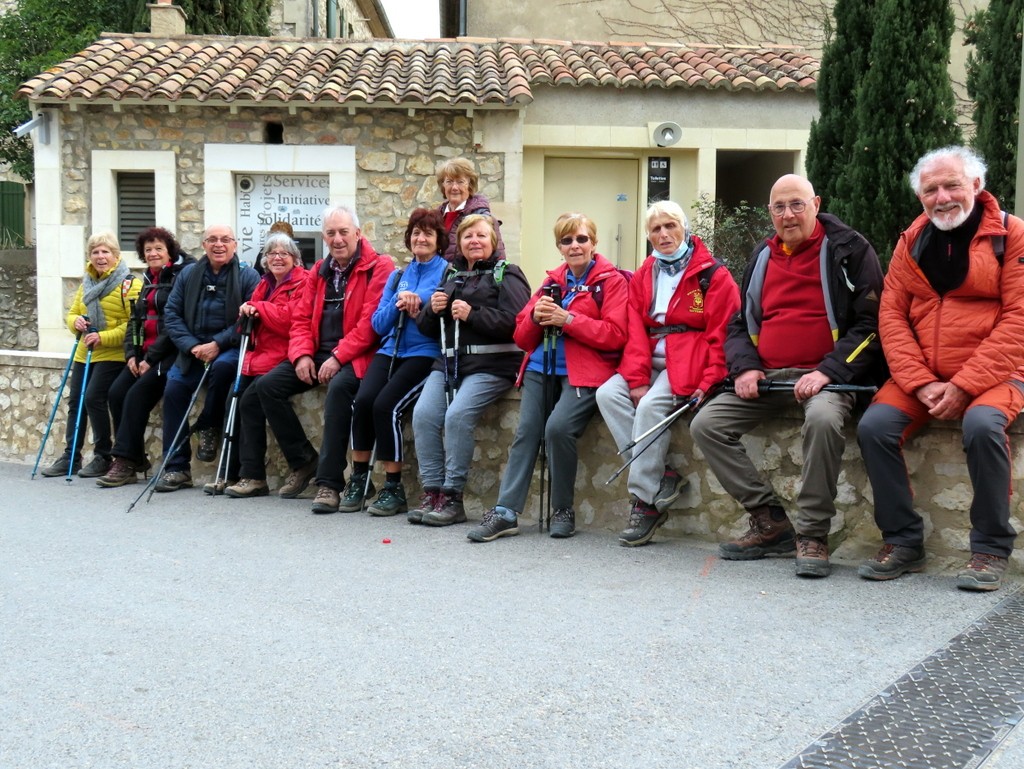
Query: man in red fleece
(809, 315)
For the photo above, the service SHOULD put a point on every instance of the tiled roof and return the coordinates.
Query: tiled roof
(462, 72)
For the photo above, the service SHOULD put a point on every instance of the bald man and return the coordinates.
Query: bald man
(809, 315)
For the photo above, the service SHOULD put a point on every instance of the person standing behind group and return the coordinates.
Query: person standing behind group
(680, 301)
(952, 325)
(809, 315)
(149, 353)
(474, 315)
(331, 343)
(201, 318)
(458, 182)
(580, 313)
(271, 311)
(400, 367)
(99, 316)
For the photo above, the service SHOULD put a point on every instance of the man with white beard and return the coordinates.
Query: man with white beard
(952, 328)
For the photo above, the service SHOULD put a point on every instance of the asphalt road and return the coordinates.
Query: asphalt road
(202, 632)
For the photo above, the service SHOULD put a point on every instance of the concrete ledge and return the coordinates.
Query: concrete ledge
(936, 460)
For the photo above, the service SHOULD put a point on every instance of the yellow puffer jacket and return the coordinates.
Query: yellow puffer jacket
(117, 309)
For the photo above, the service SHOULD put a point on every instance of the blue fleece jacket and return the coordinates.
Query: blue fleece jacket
(422, 278)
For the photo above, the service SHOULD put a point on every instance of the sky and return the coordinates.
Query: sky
(412, 19)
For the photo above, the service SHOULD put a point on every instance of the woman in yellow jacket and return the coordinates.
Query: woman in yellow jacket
(99, 314)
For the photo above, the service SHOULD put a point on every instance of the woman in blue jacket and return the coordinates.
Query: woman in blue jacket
(398, 370)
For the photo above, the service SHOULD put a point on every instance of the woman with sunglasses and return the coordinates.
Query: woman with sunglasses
(573, 329)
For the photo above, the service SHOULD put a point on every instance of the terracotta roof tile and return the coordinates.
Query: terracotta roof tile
(461, 72)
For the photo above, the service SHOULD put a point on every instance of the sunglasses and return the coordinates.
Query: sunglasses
(568, 239)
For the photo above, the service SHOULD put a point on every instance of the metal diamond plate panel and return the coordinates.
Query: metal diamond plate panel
(949, 712)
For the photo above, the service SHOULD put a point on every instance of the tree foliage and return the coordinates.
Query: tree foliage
(37, 34)
(993, 82)
(843, 64)
(731, 232)
(904, 108)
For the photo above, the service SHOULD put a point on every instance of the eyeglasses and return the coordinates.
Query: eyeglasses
(226, 240)
(280, 254)
(796, 206)
(568, 239)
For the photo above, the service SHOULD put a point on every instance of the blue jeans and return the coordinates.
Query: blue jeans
(444, 437)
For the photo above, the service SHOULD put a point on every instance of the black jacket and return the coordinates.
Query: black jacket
(854, 284)
(162, 347)
(495, 305)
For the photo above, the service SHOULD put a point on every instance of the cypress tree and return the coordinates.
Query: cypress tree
(993, 82)
(905, 107)
(843, 63)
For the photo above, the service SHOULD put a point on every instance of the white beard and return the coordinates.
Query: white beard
(946, 224)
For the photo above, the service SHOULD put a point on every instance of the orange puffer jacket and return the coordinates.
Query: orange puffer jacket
(974, 335)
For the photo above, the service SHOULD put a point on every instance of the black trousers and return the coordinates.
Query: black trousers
(101, 377)
(131, 401)
(274, 389)
(381, 403)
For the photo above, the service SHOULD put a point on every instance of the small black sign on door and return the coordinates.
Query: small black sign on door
(657, 179)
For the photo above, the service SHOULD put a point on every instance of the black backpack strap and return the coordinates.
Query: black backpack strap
(704, 276)
(999, 241)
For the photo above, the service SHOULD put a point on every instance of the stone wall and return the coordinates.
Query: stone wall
(395, 154)
(28, 382)
(18, 316)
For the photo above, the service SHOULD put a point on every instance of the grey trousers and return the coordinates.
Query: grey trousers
(717, 429)
(573, 409)
(881, 433)
(626, 422)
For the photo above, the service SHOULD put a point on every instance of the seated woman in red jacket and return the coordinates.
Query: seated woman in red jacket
(573, 329)
(271, 308)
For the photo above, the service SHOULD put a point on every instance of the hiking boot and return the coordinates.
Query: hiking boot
(493, 525)
(207, 450)
(248, 487)
(892, 561)
(173, 480)
(672, 485)
(354, 499)
(390, 501)
(812, 557)
(298, 479)
(644, 520)
(96, 468)
(770, 533)
(447, 510)
(326, 500)
(215, 488)
(563, 523)
(60, 467)
(983, 572)
(120, 473)
(428, 501)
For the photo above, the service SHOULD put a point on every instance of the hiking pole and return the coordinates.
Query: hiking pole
(56, 403)
(549, 367)
(175, 444)
(444, 357)
(770, 386)
(661, 427)
(399, 328)
(245, 324)
(81, 405)
(663, 423)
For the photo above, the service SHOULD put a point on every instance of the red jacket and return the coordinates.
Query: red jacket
(973, 335)
(268, 343)
(595, 337)
(695, 359)
(365, 286)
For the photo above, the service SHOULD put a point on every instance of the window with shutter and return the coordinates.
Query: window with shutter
(136, 205)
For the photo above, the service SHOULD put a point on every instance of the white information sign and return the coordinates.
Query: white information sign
(262, 199)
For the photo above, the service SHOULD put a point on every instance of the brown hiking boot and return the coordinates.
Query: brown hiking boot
(120, 473)
(891, 561)
(326, 500)
(298, 479)
(983, 572)
(812, 557)
(770, 533)
(427, 503)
